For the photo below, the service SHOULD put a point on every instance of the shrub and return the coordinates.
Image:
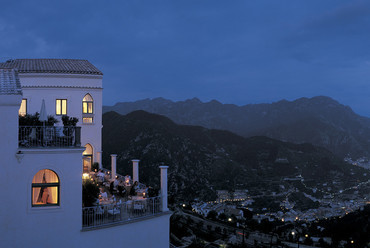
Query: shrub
(69, 121)
(33, 120)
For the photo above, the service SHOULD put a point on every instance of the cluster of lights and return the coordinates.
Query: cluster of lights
(227, 200)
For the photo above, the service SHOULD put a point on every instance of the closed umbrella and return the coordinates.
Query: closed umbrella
(43, 117)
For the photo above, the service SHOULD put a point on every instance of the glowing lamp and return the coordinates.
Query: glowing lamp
(85, 176)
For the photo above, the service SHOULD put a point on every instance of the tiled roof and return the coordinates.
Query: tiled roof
(9, 82)
(68, 66)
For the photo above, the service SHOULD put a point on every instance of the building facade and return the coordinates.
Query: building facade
(41, 178)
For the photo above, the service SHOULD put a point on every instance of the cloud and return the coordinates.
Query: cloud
(339, 36)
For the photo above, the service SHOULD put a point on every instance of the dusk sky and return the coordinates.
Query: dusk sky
(236, 51)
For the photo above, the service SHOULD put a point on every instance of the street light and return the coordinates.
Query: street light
(296, 233)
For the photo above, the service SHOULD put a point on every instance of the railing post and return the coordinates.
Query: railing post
(135, 170)
(113, 165)
(164, 187)
(77, 136)
(98, 159)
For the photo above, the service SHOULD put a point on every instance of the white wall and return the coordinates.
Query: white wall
(50, 87)
(41, 226)
(151, 233)
(9, 105)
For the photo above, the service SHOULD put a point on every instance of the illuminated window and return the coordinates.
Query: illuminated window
(61, 107)
(87, 109)
(45, 189)
(87, 120)
(87, 104)
(23, 109)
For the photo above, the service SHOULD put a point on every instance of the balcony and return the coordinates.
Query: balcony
(120, 212)
(49, 136)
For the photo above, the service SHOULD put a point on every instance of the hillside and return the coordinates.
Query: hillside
(202, 160)
(319, 120)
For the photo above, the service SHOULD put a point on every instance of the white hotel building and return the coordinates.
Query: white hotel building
(35, 160)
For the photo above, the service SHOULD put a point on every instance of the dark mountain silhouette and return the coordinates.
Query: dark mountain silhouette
(202, 160)
(319, 120)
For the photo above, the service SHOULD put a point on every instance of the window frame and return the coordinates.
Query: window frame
(46, 185)
(87, 107)
(87, 104)
(88, 117)
(61, 106)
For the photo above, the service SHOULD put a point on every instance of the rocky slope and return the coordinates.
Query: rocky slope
(319, 120)
(202, 160)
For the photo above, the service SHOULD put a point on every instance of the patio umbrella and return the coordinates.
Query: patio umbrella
(43, 117)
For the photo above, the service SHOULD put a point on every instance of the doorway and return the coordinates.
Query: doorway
(87, 158)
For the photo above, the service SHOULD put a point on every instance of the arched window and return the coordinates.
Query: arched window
(87, 158)
(87, 109)
(87, 104)
(45, 189)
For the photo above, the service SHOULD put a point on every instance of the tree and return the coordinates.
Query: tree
(90, 193)
(212, 215)
(200, 224)
(222, 217)
(197, 243)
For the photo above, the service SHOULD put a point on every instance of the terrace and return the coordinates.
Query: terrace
(116, 203)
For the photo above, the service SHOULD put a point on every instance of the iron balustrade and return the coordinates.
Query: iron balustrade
(49, 136)
(102, 215)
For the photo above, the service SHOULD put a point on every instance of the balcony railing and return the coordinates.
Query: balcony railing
(102, 215)
(49, 136)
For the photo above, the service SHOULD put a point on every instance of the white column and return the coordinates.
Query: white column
(164, 187)
(113, 165)
(98, 159)
(135, 170)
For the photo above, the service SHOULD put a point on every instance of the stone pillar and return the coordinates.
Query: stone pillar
(135, 170)
(164, 187)
(113, 165)
(98, 159)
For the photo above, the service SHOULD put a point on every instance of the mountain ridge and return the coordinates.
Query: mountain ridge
(331, 124)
